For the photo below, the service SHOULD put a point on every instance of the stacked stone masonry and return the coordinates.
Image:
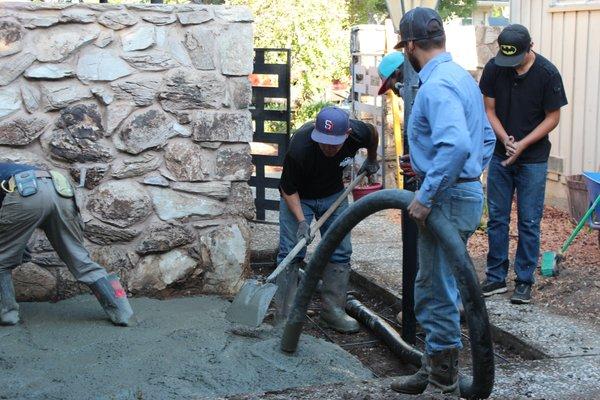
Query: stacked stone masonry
(145, 107)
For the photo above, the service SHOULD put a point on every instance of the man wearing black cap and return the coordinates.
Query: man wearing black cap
(523, 94)
(451, 142)
(311, 181)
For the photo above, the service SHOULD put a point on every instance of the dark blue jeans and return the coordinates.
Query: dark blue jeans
(529, 182)
(311, 208)
(436, 292)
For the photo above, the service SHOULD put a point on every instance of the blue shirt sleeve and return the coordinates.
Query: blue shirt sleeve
(489, 143)
(450, 137)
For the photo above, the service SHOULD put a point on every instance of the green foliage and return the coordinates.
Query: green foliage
(317, 33)
(449, 9)
(367, 11)
(308, 111)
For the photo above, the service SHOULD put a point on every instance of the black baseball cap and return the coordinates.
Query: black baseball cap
(514, 42)
(419, 23)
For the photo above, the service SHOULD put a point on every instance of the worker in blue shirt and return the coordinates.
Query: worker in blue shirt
(451, 142)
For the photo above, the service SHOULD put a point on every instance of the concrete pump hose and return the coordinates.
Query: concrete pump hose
(477, 387)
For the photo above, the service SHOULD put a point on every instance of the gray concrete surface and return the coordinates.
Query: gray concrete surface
(550, 334)
(180, 349)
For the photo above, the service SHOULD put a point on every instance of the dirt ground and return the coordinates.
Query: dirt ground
(575, 292)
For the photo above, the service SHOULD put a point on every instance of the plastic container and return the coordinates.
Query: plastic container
(592, 180)
(577, 196)
(362, 191)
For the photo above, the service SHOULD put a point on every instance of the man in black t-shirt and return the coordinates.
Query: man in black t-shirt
(523, 93)
(310, 183)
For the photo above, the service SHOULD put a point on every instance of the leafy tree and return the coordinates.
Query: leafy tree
(450, 9)
(317, 33)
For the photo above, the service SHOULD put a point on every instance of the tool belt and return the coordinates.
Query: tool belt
(26, 183)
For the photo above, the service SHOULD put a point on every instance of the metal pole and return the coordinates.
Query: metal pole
(409, 227)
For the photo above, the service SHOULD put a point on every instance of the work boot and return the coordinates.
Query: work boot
(113, 299)
(415, 383)
(9, 309)
(443, 371)
(302, 275)
(333, 296)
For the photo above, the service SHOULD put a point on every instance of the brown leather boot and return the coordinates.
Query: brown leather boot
(443, 371)
(416, 383)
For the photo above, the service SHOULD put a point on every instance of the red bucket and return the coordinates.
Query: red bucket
(362, 191)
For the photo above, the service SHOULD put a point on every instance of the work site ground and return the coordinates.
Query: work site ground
(183, 347)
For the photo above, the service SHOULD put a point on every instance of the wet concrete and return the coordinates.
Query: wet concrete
(180, 349)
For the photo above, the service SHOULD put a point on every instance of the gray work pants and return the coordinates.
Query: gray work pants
(58, 217)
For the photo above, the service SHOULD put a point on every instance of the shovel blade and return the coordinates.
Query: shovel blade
(251, 304)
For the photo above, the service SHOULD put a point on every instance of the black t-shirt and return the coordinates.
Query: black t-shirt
(522, 102)
(309, 172)
(7, 170)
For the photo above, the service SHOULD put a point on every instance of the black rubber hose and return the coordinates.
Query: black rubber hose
(480, 386)
(385, 331)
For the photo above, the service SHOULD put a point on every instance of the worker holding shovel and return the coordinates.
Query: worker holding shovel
(310, 184)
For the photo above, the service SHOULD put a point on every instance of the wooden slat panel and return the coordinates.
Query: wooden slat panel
(545, 40)
(581, 21)
(526, 12)
(557, 56)
(568, 68)
(535, 25)
(592, 102)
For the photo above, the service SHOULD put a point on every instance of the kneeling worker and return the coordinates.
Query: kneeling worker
(32, 198)
(310, 183)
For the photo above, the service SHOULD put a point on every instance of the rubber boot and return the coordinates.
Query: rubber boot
(113, 299)
(9, 309)
(415, 383)
(333, 296)
(444, 371)
(302, 275)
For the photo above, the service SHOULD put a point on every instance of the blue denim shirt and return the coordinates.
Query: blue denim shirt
(449, 134)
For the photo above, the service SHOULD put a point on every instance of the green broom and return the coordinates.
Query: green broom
(550, 259)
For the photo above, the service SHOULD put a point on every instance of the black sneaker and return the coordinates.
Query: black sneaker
(489, 288)
(522, 294)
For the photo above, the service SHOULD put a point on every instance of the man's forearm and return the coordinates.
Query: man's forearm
(497, 127)
(293, 203)
(543, 129)
(372, 149)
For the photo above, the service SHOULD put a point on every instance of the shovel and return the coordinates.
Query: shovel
(250, 305)
(550, 259)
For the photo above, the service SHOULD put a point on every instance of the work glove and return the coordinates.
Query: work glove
(406, 166)
(303, 232)
(369, 166)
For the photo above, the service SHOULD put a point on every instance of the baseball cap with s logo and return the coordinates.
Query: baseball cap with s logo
(331, 126)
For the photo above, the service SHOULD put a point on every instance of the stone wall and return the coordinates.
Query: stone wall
(147, 107)
(486, 40)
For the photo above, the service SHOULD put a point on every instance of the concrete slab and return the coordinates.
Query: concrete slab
(376, 389)
(574, 378)
(550, 334)
(180, 349)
